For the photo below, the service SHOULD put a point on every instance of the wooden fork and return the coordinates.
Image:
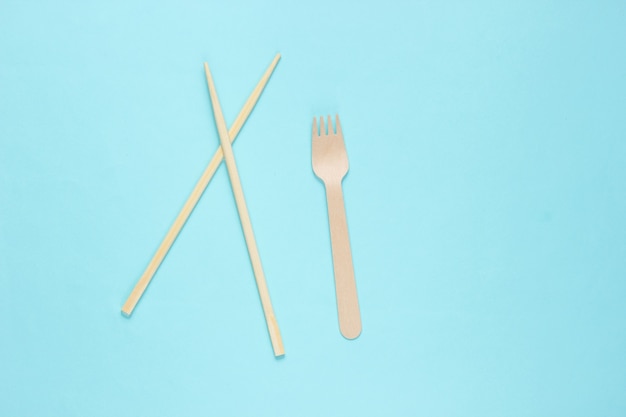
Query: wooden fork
(330, 164)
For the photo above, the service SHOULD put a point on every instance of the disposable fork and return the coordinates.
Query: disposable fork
(330, 164)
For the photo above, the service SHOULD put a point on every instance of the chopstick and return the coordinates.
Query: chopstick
(195, 195)
(255, 259)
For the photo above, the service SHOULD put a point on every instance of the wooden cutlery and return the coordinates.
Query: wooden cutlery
(193, 199)
(330, 164)
(244, 217)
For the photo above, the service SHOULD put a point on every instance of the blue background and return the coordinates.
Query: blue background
(486, 206)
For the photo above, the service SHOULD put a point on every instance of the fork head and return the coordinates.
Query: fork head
(330, 160)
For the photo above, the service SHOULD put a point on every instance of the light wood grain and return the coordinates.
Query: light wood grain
(330, 164)
(244, 217)
(195, 195)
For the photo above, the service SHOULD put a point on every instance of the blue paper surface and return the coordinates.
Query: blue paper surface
(486, 203)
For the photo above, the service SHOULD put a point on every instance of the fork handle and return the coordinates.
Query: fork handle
(345, 285)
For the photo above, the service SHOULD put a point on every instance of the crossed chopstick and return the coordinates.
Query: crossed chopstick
(225, 152)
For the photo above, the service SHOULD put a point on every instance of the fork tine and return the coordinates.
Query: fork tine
(322, 127)
(338, 125)
(331, 130)
(315, 127)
